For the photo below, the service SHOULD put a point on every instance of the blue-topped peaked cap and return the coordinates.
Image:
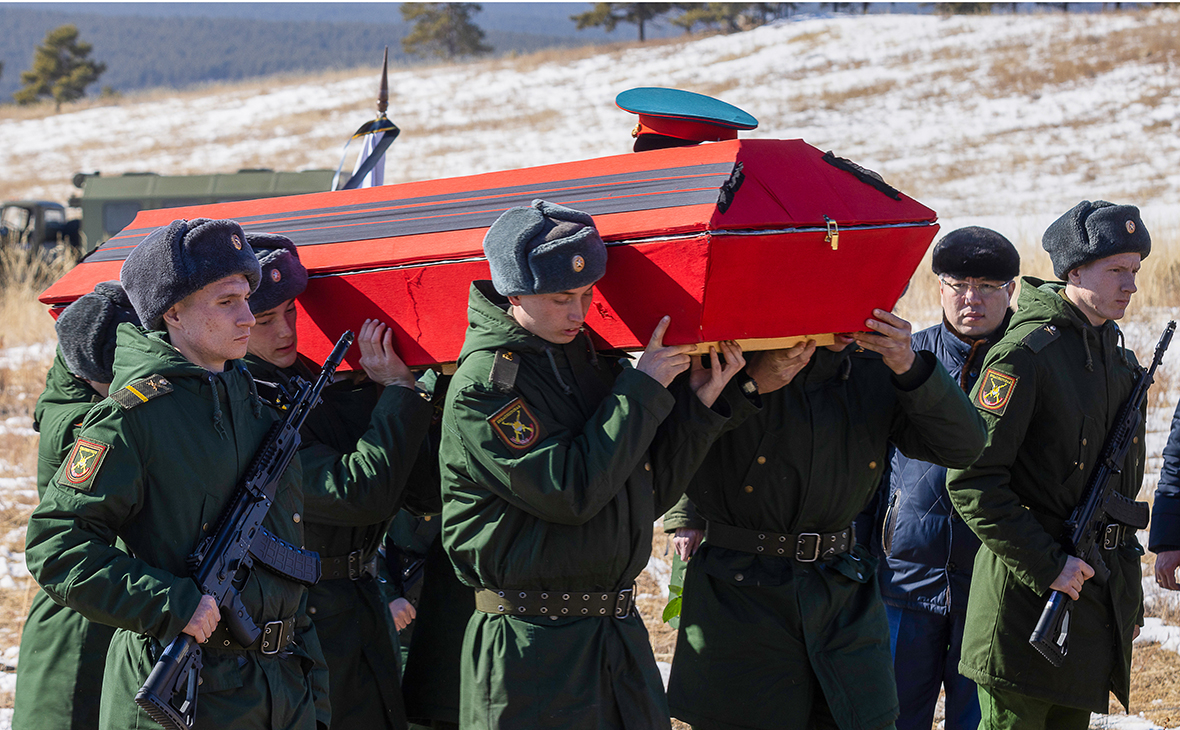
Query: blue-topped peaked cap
(283, 274)
(181, 258)
(544, 248)
(683, 114)
(1094, 230)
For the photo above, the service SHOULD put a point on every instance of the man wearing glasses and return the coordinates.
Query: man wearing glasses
(925, 550)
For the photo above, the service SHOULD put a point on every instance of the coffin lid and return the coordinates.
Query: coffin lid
(738, 185)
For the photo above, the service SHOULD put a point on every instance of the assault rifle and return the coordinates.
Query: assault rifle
(223, 560)
(1102, 505)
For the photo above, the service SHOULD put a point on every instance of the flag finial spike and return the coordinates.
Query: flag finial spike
(383, 96)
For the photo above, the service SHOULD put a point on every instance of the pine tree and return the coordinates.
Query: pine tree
(444, 30)
(609, 15)
(61, 69)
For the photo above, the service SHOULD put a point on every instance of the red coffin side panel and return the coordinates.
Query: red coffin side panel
(795, 284)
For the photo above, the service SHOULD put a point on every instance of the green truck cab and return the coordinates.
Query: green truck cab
(109, 204)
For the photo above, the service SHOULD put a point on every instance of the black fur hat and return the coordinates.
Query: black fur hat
(283, 276)
(544, 248)
(86, 331)
(179, 259)
(1092, 231)
(976, 252)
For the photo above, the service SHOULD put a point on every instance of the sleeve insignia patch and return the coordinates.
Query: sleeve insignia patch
(516, 426)
(80, 469)
(995, 391)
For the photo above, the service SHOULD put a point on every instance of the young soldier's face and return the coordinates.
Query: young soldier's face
(1102, 289)
(974, 307)
(212, 324)
(273, 336)
(557, 317)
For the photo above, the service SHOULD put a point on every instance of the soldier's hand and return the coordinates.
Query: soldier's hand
(891, 338)
(664, 363)
(686, 541)
(403, 612)
(204, 620)
(378, 358)
(708, 383)
(774, 369)
(1165, 569)
(1073, 575)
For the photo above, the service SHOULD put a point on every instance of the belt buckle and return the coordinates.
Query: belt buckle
(272, 637)
(624, 603)
(1112, 536)
(799, 542)
(355, 567)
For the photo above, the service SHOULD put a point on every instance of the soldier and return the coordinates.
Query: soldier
(782, 623)
(62, 652)
(359, 447)
(925, 550)
(555, 462)
(1052, 388)
(154, 466)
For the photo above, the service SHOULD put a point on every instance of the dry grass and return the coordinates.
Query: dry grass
(23, 278)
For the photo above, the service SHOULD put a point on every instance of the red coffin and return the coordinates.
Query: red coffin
(760, 241)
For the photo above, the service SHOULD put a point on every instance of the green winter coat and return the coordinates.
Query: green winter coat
(359, 447)
(570, 509)
(59, 677)
(762, 636)
(157, 475)
(1046, 431)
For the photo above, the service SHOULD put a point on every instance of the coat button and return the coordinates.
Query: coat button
(311, 610)
(950, 567)
(872, 465)
(205, 527)
(427, 518)
(1081, 466)
(647, 466)
(739, 577)
(749, 488)
(1135, 440)
(761, 459)
(1083, 442)
(295, 518)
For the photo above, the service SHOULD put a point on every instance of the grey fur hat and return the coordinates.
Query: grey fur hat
(544, 248)
(283, 276)
(86, 331)
(1092, 231)
(975, 252)
(180, 258)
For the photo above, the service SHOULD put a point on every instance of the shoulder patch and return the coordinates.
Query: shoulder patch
(505, 366)
(1041, 336)
(79, 470)
(994, 392)
(516, 426)
(141, 391)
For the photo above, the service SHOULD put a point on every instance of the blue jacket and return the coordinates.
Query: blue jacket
(925, 550)
(1165, 511)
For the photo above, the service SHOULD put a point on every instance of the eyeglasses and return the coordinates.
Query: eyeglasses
(961, 287)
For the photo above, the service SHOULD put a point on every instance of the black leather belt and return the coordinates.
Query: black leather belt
(351, 566)
(276, 636)
(556, 604)
(1115, 535)
(806, 547)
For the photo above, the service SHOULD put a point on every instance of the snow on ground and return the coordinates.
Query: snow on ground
(1001, 121)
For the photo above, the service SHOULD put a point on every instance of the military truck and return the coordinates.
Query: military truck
(109, 204)
(37, 227)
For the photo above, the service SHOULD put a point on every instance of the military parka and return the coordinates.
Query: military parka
(757, 633)
(62, 653)
(568, 505)
(1050, 391)
(157, 473)
(359, 446)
